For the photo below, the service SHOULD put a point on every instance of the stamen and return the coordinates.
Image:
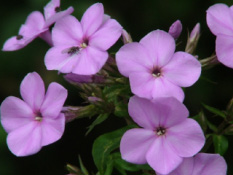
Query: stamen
(160, 131)
(19, 37)
(38, 117)
(156, 72)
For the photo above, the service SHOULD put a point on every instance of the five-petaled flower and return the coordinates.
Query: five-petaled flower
(154, 70)
(37, 25)
(80, 47)
(220, 21)
(167, 135)
(37, 121)
(201, 164)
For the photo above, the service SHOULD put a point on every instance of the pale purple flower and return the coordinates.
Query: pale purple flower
(220, 21)
(36, 120)
(175, 29)
(201, 164)
(154, 70)
(37, 25)
(166, 137)
(80, 47)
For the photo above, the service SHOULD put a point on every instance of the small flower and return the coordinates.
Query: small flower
(37, 121)
(220, 21)
(154, 70)
(80, 47)
(37, 25)
(201, 164)
(167, 135)
(175, 29)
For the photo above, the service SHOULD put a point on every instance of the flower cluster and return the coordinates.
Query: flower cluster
(166, 138)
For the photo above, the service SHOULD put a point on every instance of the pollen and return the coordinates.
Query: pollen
(160, 131)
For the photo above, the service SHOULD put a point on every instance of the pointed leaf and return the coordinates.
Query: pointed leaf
(215, 111)
(220, 144)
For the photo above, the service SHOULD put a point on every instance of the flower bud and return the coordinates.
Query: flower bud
(193, 39)
(175, 29)
(126, 37)
(79, 79)
(195, 33)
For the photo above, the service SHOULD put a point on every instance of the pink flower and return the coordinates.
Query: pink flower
(175, 29)
(154, 70)
(37, 121)
(202, 164)
(37, 25)
(80, 47)
(220, 21)
(167, 135)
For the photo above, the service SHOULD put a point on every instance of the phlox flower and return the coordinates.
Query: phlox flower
(220, 21)
(154, 70)
(37, 25)
(36, 120)
(80, 47)
(201, 164)
(167, 136)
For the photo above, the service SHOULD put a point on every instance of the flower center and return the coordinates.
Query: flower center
(156, 72)
(57, 9)
(19, 37)
(38, 117)
(84, 44)
(160, 131)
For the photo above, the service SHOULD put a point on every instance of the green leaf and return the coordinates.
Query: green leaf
(83, 168)
(229, 130)
(220, 144)
(97, 121)
(212, 126)
(202, 120)
(215, 111)
(104, 145)
(121, 110)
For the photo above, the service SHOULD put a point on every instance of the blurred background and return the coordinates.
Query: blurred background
(215, 88)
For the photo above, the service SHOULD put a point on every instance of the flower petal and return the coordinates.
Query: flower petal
(58, 16)
(213, 164)
(146, 86)
(186, 138)
(91, 60)
(54, 100)
(219, 19)
(15, 113)
(52, 129)
(160, 47)
(50, 8)
(132, 58)
(92, 19)
(13, 43)
(32, 90)
(106, 35)
(224, 51)
(67, 31)
(183, 69)
(135, 144)
(57, 58)
(26, 140)
(161, 157)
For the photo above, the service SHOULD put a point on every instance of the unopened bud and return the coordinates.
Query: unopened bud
(195, 32)
(94, 99)
(126, 37)
(71, 112)
(175, 29)
(193, 39)
(79, 79)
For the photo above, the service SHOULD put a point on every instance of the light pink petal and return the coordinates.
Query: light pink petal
(170, 111)
(135, 144)
(47, 36)
(144, 112)
(92, 19)
(160, 46)
(58, 16)
(185, 168)
(212, 164)
(132, 58)
(186, 138)
(146, 86)
(54, 100)
(91, 60)
(182, 70)
(50, 8)
(107, 35)
(32, 90)
(67, 31)
(52, 129)
(161, 157)
(57, 58)
(219, 19)
(25, 140)
(15, 113)
(224, 50)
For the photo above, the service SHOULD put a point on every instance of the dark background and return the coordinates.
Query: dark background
(138, 18)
